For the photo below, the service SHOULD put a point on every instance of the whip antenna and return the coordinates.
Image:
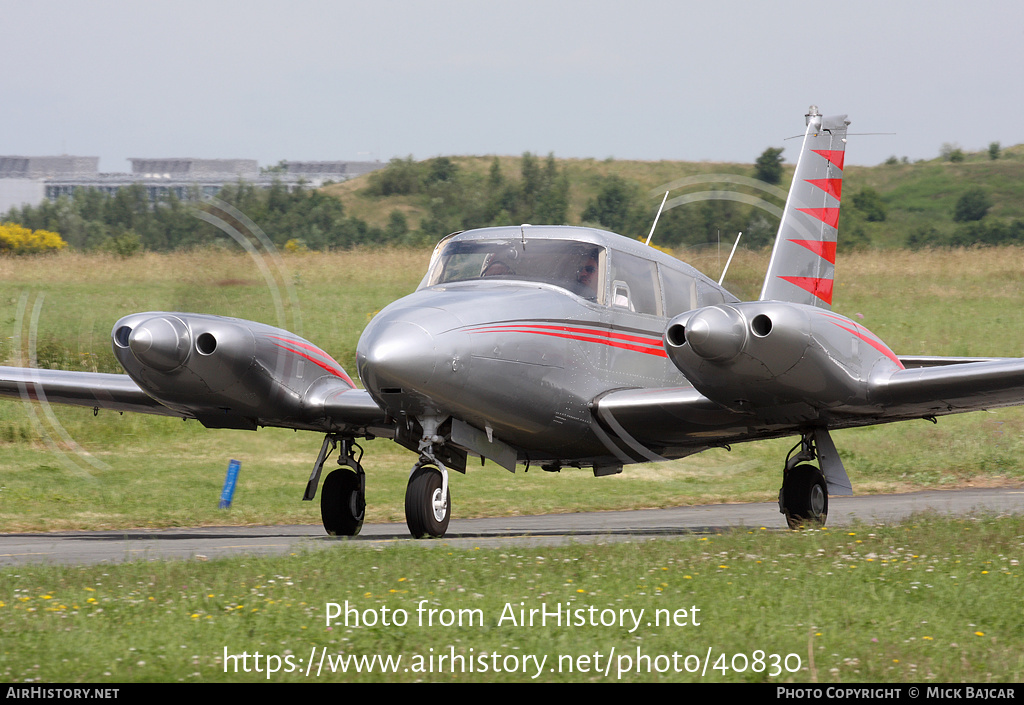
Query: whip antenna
(655, 224)
(728, 261)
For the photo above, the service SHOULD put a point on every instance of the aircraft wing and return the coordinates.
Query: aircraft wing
(223, 372)
(911, 361)
(91, 389)
(333, 408)
(655, 424)
(951, 387)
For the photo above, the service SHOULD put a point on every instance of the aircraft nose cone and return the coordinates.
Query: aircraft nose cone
(161, 343)
(400, 354)
(716, 333)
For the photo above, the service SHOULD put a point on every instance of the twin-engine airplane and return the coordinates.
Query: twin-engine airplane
(558, 346)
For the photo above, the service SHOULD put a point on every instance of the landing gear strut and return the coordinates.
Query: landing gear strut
(803, 498)
(428, 503)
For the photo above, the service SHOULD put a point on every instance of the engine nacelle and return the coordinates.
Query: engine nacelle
(226, 372)
(769, 353)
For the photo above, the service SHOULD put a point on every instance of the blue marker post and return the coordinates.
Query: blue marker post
(229, 484)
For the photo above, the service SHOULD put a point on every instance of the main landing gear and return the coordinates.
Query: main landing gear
(803, 498)
(343, 496)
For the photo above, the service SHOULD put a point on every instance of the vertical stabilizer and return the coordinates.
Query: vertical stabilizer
(802, 266)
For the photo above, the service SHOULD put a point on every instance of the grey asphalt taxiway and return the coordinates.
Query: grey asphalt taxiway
(90, 547)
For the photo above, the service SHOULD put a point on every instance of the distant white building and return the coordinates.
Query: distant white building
(30, 180)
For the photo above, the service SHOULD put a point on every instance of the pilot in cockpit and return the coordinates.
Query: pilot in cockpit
(586, 276)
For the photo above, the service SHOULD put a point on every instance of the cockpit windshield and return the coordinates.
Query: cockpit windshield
(575, 266)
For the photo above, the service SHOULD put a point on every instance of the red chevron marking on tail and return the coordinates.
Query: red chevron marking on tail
(821, 288)
(833, 187)
(825, 250)
(828, 216)
(835, 156)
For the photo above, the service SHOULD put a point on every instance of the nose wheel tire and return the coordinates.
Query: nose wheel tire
(426, 511)
(343, 503)
(804, 497)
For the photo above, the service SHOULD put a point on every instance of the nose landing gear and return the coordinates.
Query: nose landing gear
(428, 503)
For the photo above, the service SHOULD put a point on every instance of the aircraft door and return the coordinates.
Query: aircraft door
(637, 318)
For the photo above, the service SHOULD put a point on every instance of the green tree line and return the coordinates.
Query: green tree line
(128, 220)
(455, 199)
(459, 199)
(443, 195)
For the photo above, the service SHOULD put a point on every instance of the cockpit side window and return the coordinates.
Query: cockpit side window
(575, 266)
(680, 291)
(635, 284)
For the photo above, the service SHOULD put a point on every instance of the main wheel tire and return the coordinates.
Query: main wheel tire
(425, 516)
(343, 503)
(804, 497)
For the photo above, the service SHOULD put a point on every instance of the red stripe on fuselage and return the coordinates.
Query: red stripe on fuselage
(636, 343)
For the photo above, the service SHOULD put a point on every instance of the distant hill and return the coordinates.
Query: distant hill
(890, 205)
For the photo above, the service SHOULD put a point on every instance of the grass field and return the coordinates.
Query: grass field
(927, 601)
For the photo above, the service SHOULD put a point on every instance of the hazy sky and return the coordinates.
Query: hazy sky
(643, 79)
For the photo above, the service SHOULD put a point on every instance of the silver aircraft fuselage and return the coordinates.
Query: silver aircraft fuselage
(524, 353)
